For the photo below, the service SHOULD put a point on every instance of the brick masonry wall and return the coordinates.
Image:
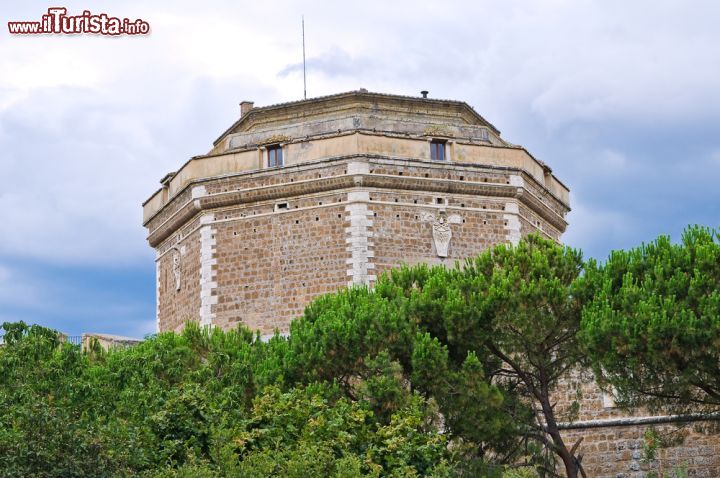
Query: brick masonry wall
(255, 255)
(175, 307)
(403, 233)
(271, 265)
(618, 451)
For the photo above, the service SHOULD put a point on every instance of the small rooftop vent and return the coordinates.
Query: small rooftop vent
(424, 93)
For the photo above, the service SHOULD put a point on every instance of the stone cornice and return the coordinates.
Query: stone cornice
(471, 141)
(348, 181)
(637, 421)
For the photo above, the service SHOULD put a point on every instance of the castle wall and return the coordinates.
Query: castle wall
(358, 194)
(618, 452)
(263, 244)
(272, 264)
(178, 305)
(403, 231)
(614, 440)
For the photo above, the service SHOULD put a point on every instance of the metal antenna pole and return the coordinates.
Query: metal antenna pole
(304, 77)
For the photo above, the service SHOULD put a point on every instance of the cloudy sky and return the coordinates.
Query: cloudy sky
(621, 98)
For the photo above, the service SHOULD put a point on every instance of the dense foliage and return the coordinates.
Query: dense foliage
(435, 372)
(202, 403)
(487, 342)
(653, 325)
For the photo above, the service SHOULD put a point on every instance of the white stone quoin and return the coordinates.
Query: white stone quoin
(358, 238)
(207, 274)
(512, 222)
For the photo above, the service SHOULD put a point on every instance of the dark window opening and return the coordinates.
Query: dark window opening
(275, 156)
(437, 150)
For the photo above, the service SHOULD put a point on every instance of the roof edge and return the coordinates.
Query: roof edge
(348, 94)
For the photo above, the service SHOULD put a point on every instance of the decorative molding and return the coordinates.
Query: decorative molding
(275, 139)
(516, 189)
(437, 130)
(635, 421)
(176, 268)
(441, 231)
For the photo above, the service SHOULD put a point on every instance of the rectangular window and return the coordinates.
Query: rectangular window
(275, 156)
(437, 150)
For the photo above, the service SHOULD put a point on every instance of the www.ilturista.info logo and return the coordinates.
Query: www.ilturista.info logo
(57, 21)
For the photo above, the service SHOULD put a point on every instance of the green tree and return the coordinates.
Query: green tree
(203, 403)
(43, 431)
(653, 326)
(517, 309)
(314, 432)
(434, 372)
(365, 342)
(487, 342)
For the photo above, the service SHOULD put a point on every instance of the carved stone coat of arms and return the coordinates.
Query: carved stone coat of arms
(441, 231)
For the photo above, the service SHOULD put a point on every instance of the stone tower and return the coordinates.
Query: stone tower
(299, 199)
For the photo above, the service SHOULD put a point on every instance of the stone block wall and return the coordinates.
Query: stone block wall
(178, 282)
(618, 451)
(255, 248)
(273, 264)
(615, 442)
